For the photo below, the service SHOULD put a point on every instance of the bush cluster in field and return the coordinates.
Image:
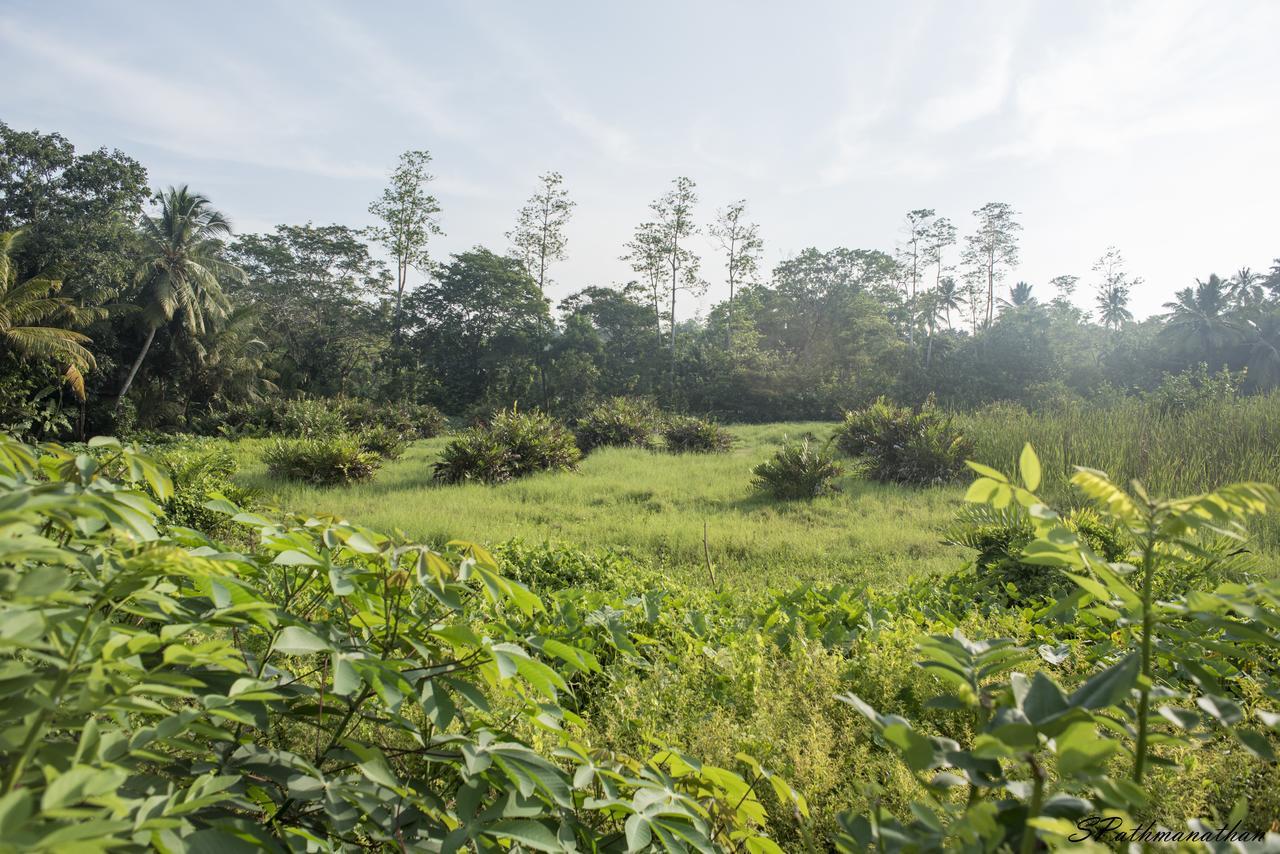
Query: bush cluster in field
(513, 443)
(327, 442)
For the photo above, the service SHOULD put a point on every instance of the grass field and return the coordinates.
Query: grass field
(656, 505)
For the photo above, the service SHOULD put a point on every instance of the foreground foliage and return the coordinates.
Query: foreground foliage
(1199, 669)
(331, 688)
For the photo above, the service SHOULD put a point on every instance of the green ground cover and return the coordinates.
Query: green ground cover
(656, 505)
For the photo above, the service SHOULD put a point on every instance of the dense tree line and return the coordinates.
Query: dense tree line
(124, 308)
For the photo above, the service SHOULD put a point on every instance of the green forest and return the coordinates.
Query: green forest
(314, 540)
(130, 309)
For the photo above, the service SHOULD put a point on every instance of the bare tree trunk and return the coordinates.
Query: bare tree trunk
(542, 331)
(137, 363)
(657, 311)
(991, 286)
(673, 329)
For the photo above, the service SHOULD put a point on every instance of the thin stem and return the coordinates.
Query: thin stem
(1144, 688)
(1037, 797)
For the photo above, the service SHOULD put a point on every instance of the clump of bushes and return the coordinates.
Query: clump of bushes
(1195, 388)
(1000, 536)
(199, 471)
(409, 420)
(323, 416)
(513, 444)
(798, 470)
(386, 442)
(901, 445)
(685, 434)
(310, 417)
(324, 460)
(618, 422)
(552, 566)
(474, 455)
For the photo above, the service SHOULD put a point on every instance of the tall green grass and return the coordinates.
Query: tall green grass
(1169, 453)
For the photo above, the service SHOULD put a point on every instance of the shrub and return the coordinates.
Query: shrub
(557, 566)
(323, 461)
(513, 444)
(1195, 388)
(1000, 537)
(537, 441)
(386, 442)
(409, 420)
(685, 434)
(474, 455)
(311, 418)
(198, 472)
(618, 422)
(424, 420)
(899, 445)
(798, 470)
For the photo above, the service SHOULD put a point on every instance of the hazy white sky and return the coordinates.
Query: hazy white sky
(1153, 126)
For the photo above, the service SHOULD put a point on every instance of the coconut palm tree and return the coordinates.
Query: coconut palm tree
(949, 298)
(1245, 287)
(1203, 314)
(1019, 296)
(232, 359)
(181, 276)
(1264, 351)
(28, 307)
(1113, 306)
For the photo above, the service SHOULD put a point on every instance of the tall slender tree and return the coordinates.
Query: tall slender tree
(182, 270)
(913, 251)
(742, 247)
(644, 252)
(912, 257)
(938, 237)
(673, 212)
(409, 219)
(539, 240)
(993, 247)
(1063, 287)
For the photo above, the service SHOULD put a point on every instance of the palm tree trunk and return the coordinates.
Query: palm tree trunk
(137, 363)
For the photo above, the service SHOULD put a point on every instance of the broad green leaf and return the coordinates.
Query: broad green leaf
(986, 471)
(1108, 687)
(1029, 467)
(531, 834)
(295, 640)
(1080, 749)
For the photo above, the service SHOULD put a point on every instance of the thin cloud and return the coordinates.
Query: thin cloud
(250, 124)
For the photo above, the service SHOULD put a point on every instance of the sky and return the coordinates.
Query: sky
(1150, 126)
